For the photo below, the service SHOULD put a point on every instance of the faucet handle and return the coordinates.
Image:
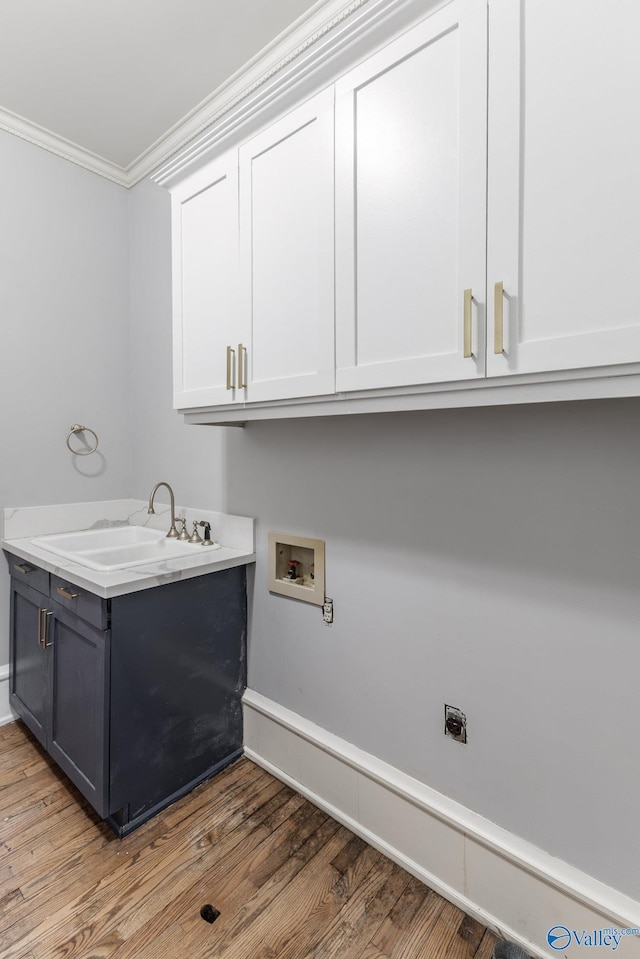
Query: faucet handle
(195, 536)
(182, 535)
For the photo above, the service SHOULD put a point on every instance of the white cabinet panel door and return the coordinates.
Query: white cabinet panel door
(206, 317)
(564, 189)
(287, 248)
(411, 205)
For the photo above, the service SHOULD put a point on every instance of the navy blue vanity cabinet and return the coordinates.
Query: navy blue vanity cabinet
(79, 702)
(59, 683)
(28, 688)
(178, 671)
(137, 697)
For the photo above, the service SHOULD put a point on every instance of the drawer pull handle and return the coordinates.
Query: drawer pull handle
(230, 364)
(466, 345)
(242, 352)
(24, 568)
(498, 316)
(67, 593)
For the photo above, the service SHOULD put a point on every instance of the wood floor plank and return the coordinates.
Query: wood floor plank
(25, 766)
(168, 944)
(442, 934)
(352, 865)
(410, 940)
(156, 878)
(372, 952)
(487, 945)
(244, 927)
(25, 793)
(138, 869)
(289, 882)
(401, 916)
(470, 931)
(57, 822)
(110, 869)
(191, 812)
(366, 910)
(20, 863)
(186, 894)
(16, 763)
(26, 744)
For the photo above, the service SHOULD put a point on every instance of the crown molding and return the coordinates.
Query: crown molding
(277, 81)
(66, 149)
(290, 44)
(273, 62)
(287, 75)
(308, 53)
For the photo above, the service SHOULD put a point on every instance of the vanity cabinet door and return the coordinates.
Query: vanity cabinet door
(411, 206)
(60, 683)
(287, 270)
(79, 697)
(563, 186)
(206, 320)
(29, 661)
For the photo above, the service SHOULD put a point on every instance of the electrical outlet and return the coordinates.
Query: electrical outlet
(327, 611)
(455, 724)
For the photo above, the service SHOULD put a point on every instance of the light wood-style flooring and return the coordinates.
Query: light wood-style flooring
(288, 881)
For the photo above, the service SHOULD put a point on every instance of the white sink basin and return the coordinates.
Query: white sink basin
(116, 547)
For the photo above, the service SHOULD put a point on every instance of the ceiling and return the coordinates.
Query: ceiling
(108, 79)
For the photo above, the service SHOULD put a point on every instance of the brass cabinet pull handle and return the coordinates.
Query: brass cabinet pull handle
(45, 632)
(67, 593)
(230, 364)
(24, 568)
(241, 355)
(43, 627)
(466, 345)
(498, 317)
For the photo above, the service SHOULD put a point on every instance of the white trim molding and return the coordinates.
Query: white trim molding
(518, 890)
(310, 54)
(61, 147)
(292, 46)
(7, 715)
(313, 54)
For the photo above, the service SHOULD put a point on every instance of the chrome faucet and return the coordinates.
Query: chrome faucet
(173, 532)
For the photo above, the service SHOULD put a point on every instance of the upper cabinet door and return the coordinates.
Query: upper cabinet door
(206, 318)
(287, 249)
(564, 190)
(411, 206)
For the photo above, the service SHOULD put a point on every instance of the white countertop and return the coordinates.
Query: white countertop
(234, 533)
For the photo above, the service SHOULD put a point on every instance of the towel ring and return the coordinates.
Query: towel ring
(82, 429)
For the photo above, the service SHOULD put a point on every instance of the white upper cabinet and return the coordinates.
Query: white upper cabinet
(206, 316)
(287, 253)
(481, 242)
(564, 189)
(411, 206)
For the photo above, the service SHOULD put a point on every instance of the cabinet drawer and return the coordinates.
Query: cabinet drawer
(80, 601)
(25, 572)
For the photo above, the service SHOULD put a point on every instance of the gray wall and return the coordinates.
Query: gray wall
(190, 458)
(485, 558)
(64, 276)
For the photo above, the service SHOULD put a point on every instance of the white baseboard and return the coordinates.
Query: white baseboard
(517, 889)
(7, 715)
